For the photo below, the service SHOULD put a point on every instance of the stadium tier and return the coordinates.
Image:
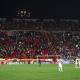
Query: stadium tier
(40, 24)
(29, 38)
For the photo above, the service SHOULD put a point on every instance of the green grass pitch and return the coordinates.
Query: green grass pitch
(36, 72)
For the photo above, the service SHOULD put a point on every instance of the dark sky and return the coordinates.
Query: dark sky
(41, 8)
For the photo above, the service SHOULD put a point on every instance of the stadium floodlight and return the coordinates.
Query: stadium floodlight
(23, 13)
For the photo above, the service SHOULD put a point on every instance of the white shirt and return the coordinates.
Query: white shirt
(59, 62)
(77, 61)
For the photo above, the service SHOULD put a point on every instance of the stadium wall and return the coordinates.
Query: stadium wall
(30, 61)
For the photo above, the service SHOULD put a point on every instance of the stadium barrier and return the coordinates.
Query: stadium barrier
(30, 61)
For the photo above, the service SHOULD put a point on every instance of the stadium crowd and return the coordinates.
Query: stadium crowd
(39, 38)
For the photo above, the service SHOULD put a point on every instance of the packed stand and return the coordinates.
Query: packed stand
(30, 44)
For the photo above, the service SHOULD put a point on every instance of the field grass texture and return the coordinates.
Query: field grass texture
(37, 72)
